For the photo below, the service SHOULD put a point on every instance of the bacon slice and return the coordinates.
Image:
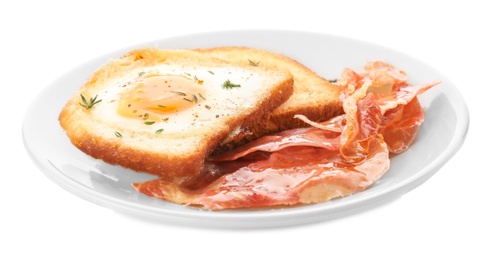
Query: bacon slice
(402, 113)
(310, 136)
(342, 156)
(290, 175)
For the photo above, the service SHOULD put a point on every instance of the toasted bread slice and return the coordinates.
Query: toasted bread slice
(314, 96)
(163, 111)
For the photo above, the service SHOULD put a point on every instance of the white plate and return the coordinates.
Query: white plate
(440, 136)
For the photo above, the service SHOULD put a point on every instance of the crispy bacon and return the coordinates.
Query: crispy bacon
(342, 156)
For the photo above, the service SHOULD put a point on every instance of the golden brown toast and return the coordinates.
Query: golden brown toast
(163, 111)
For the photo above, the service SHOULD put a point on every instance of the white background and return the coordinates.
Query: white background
(445, 217)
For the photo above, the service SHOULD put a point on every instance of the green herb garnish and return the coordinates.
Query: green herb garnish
(255, 64)
(159, 131)
(118, 135)
(89, 104)
(228, 85)
(179, 93)
(149, 122)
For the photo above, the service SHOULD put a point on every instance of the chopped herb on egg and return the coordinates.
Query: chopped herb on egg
(194, 97)
(149, 122)
(186, 99)
(333, 81)
(141, 73)
(89, 104)
(118, 135)
(144, 116)
(159, 131)
(179, 93)
(253, 63)
(210, 72)
(200, 95)
(165, 119)
(228, 85)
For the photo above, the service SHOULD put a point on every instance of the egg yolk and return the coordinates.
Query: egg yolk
(155, 96)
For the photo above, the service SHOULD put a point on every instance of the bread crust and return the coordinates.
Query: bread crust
(97, 139)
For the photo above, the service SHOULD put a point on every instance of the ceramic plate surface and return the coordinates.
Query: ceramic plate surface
(440, 136)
